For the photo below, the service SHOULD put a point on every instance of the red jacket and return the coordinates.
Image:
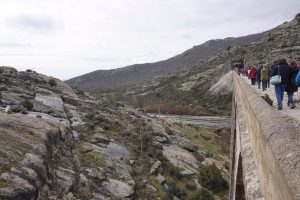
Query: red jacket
(252, 73)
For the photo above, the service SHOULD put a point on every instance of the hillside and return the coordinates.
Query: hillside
(131, 75)
(199, 89)
(58, 143)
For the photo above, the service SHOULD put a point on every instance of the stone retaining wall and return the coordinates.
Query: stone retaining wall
(275, 143)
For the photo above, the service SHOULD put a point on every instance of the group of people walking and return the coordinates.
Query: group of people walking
(261, 76)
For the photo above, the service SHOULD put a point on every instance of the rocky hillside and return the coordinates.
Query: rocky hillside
(205, 87)
(58, 143)
(130, 76)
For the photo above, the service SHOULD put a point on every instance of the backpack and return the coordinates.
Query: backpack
(297, 79)
(264, 74)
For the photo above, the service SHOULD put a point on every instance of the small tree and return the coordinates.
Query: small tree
(52, 82)
(211, 178)
(203, 194)
(27, 104)
(268, 99)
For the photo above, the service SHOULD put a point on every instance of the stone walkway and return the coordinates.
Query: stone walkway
(202, 121)
(294, 113)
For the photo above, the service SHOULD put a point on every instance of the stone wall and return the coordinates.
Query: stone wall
(275, 144)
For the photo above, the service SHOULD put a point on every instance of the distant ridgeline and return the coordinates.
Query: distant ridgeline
(188, 82)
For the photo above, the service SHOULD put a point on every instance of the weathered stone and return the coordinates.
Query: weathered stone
(69, 99)
(3, 88)
(70, 196)
(160, 179)
(112, 151)
(83, 180)
(131, 161)
(76, 135)
(86, 147)
(151, 189)
(96, 174)
(181, 159)
(52, 105)
(27, 155)
(204, 154)
(16, 108)
(65, 179)
(99, 138)
(160, 139)
(24, 111)
(118, 188)
(155, 167)
(258, 146)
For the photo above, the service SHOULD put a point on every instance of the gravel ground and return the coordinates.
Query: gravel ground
(287, 112)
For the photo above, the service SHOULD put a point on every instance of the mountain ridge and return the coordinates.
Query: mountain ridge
(190, 90)
(138, 73)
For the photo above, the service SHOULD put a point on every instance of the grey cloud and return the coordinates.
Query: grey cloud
(111, 34)
(14, 44)
(35, 22)
(101, 59)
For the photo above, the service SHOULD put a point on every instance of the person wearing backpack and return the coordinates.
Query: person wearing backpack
(291, 85)
(283, 70)
(264, 76)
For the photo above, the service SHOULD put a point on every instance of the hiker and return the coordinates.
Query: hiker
(257, 76)
(269, 75)
(282, 69)
(275, 63)
(264, 76)
(252, 75)
(239, 68)
(291, 85)
(244, 71)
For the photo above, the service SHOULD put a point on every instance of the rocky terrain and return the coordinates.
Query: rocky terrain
(59, 143)
(103, 80)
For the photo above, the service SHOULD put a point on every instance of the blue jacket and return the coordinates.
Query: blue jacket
(257, 74)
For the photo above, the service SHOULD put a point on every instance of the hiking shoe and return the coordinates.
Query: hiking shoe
(293, 106)
(279, 108)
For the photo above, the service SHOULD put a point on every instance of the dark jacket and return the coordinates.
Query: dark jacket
(284, 72)
(291, 86)
(257, 74)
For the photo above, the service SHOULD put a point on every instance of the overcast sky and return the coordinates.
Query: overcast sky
(67, 38)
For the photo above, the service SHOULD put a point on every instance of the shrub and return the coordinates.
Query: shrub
(175, 172)
(90, 115)
(52, 82)
(298, 17)
(27, 104)
(176, 191)
(268, 99)
(203, 194)
(211, 178)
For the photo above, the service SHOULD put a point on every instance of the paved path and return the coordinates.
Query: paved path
(294, 113)
(203, 121)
